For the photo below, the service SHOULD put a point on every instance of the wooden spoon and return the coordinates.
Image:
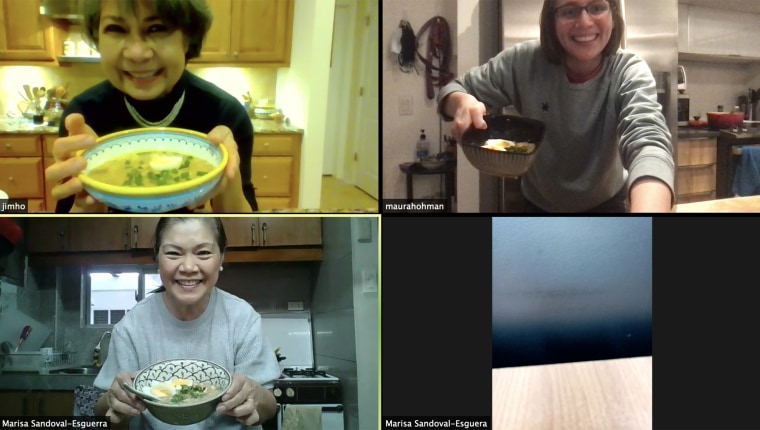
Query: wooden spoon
(140, 394)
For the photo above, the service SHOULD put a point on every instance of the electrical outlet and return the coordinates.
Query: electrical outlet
(405, 104)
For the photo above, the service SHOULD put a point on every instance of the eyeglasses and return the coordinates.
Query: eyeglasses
(572, 12)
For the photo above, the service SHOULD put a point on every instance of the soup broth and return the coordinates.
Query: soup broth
(150, 169)
(181, 391)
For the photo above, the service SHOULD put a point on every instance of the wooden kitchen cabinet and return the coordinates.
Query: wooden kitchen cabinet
(695, 177)
(23, 160)
(77, 234)
(101, 234)
(276, 169)
(22, 169)
(249, 31)
(26, 35)
(141, 232)
(37, 403)
(272, 231)
(47, 235)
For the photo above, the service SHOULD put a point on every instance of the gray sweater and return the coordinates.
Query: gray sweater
(600, 135)
(228, 333)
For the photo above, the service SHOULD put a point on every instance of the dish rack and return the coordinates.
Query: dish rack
(38, 362)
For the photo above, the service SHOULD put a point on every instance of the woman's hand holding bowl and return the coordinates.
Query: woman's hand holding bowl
(228, 194)
(468, 111)
(239, 401)
(121, 403)
(62, 175)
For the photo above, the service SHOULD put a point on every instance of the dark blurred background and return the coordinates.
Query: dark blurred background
(571, 289)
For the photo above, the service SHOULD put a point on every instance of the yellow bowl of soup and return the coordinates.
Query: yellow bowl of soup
(153, 170)
(189, 389)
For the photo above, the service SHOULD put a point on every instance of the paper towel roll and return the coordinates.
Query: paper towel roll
(301, 417)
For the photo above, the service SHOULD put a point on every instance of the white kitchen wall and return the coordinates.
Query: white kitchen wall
(345, 317)
(364, 246)
(333, 314)
(401, 132)
(713, 84)
(302, 89)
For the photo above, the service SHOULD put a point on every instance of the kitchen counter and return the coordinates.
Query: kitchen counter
(605, 394)
(694, 133)
(25, 128)
(32, 381)
(751, 133)
(270, 126)
(733, 204)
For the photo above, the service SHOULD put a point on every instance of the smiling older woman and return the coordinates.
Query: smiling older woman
(606, 147)
(144, 47)
(190, 318)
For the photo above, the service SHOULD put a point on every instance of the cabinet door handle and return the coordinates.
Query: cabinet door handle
(8, 145)
(61, 235)
(253, 233)
(126, 238)
(264, 228)
(10, 178)
(135, 230)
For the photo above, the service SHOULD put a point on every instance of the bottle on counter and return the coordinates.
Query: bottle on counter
(423, 147)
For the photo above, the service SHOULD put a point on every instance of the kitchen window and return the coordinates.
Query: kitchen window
(109, 292)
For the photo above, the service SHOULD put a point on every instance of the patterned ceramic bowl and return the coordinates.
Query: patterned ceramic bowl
(199, 371)
(160, 198)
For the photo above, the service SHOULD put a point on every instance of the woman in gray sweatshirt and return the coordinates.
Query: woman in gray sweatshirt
(607, 146)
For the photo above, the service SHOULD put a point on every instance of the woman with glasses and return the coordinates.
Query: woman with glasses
(606, 147)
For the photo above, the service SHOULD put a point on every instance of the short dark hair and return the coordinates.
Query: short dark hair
(550, 42)
(215, 224)
(192, 17)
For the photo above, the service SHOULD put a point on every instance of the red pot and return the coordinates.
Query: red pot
(716, 120)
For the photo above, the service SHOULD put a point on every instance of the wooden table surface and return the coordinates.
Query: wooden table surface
(590, 395)
(734, 204)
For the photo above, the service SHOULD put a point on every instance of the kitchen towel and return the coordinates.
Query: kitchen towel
(85, 398)
(747, 176)
(301, 417)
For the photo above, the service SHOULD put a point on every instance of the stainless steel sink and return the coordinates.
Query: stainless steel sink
(83, 370)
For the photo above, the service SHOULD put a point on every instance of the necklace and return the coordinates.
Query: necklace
(164, 122)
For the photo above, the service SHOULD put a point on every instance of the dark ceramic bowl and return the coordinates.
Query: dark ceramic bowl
(508, 127)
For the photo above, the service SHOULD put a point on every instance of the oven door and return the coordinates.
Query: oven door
(332, 416)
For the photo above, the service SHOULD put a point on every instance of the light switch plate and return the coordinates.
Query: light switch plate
(369, 281)
(295, 306)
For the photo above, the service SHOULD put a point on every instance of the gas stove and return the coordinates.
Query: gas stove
(307, 386)
(306, 374)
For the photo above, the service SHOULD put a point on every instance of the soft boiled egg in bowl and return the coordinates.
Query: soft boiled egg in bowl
(189, 389)
(153, 170)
